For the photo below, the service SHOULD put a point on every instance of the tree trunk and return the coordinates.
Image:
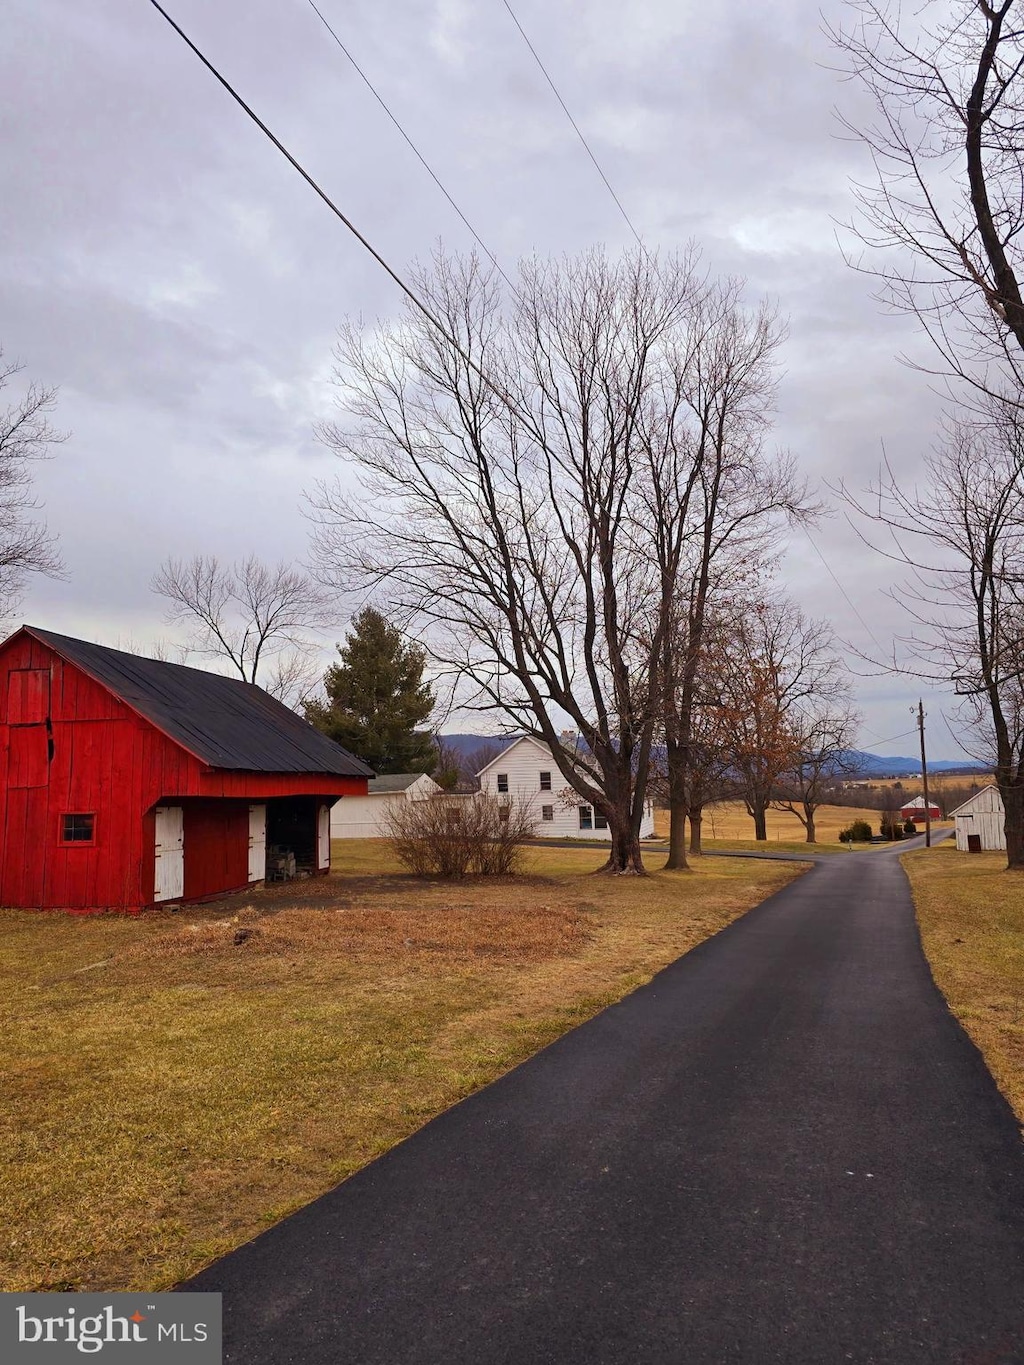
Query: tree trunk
(1013, 805)
(760, 825)
(696, 820)
(624, 856)
(677, 838)
(676, 762)
(809, 826)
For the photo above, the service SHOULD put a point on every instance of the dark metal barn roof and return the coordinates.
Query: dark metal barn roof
(225, 722)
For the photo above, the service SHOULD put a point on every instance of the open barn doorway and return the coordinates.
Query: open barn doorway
(295, 828)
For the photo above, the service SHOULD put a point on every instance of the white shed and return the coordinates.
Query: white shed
(527, 771)
(362, 817)
(983, 815)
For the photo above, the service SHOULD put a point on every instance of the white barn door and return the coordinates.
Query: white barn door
(323, 838)
(257, 843)
(169, 882)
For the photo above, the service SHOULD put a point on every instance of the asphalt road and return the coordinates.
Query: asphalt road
(782, 1149)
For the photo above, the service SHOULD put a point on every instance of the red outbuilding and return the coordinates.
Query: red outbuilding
(127, 782)
(915, 810)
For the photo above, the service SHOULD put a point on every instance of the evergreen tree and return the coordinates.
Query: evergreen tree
(376, 697)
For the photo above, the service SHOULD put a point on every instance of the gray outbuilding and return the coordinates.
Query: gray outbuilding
(982, 816)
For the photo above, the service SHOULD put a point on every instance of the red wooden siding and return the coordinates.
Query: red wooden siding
(27, 756)
(92, 754)
(28, 696)
(216, 847)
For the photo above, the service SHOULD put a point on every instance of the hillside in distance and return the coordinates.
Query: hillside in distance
(857, 762)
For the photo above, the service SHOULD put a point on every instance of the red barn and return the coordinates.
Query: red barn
(915, 810)
(126, 782)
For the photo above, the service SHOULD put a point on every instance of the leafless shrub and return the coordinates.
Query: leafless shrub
(448, 836)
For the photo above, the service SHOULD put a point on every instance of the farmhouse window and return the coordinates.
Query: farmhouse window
(77, 829)
(547, 812)
(503, 782)
(600, 821)
(586, 817)
(503, 815)
(545, 782)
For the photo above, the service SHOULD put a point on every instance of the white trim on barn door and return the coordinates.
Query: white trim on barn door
(257, 843)
(323, 838)
(169, 873)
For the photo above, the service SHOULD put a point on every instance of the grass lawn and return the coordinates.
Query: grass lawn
(971, 915)
(176, 1082)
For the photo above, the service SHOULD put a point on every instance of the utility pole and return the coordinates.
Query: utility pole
(924, 778)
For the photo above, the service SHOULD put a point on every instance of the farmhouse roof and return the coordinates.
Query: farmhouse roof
(392, 782)
(224, 722)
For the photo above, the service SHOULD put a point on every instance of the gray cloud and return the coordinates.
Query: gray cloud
(163, 264)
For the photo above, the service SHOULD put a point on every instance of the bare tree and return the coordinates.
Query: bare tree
(537, 520)
(256, 616)
(959, 546)
(709, 778)
(824, 730)
(25, 435)
(782, 668)
(726, 517)
(947, 202)
(948, 150)
(526, 498)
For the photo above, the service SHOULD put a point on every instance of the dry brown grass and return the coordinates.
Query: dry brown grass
(729, 820)
(971, 914)
(438, 936)
(939, 782)
(173, 1084)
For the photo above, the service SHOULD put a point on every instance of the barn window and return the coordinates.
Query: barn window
(547, 812)
(545, 782)
(503, 782)
(77, 829)
(586, 817)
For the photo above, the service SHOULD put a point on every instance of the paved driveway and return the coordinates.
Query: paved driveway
(782, 1149)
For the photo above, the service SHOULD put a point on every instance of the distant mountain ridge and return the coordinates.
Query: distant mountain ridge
(881, 765)
(859, 762)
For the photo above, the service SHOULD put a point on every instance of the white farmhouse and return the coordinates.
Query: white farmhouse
(982, 815)
(362, 817)
(525, 771)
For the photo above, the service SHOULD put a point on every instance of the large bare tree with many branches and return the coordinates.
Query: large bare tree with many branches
(946, 202)
(534, 473)
(947, 207)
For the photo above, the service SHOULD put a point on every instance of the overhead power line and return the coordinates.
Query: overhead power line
(576, 126)
(893, 738)
(405, 288)
(415, 150)
(845, 594)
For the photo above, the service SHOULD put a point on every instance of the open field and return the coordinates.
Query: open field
(937, 782)
(174, 1083)
(728, 820)
(971, 914)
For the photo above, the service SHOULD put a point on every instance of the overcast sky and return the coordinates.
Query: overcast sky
(164, 266)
